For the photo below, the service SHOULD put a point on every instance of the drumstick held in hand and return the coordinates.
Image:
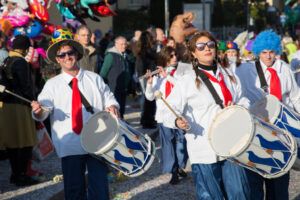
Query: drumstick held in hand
(2, 89)
(158, 95)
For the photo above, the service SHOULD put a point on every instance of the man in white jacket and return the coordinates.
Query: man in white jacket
(67, 116)
(280, 83)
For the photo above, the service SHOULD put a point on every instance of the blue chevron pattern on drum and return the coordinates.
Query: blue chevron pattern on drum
(286, 111)
(117, 166)
(118, 156)
(265, 161)
(276, 145)
(132, 145)
(285, 126)
(131, 129)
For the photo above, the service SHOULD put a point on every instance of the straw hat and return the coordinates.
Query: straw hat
(59, 36)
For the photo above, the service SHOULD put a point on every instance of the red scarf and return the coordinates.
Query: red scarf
(275, 88)
(226, 93)
(169, 86)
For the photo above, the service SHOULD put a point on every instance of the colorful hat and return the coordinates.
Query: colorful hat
(222, 45)
(248, 47)
(232, 45)
(59, 36)
(267, 40)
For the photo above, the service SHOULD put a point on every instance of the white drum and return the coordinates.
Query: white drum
(119, 145)
(270, 109)
(250, 142)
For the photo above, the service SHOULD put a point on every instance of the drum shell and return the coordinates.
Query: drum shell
(270, 109)
(125, 149)
(255, 149)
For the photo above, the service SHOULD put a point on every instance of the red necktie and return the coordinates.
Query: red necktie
(169, 85)
(226, 93)
(275, 88)
(76, 109)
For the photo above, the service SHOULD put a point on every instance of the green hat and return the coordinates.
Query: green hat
(222, 45)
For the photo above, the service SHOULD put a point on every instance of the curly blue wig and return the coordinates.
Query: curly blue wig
(266, 40)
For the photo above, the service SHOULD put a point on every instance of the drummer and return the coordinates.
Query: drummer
(214, 177)
(67, 115)
(280, 83)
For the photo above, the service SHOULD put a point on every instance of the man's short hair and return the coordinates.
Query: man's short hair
(119, 38)
(83, 27)
(63, 44)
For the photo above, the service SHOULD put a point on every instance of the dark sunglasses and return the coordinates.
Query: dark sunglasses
(210, 44)
(172, 55)
(63, 55)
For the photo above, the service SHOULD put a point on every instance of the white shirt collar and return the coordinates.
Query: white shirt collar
(277, 65)
(68, 78)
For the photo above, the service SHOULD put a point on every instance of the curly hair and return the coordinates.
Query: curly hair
(267, 40)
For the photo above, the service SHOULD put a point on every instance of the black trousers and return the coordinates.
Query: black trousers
(18, 158)
(148, 115)
(121, 99)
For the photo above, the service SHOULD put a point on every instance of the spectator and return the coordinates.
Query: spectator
(89, 60)
(105, 42)
(171, 42)
(160, 38)
(146, 60)
(3, 49)
(116, 72)
(17, 128)
(134, 41)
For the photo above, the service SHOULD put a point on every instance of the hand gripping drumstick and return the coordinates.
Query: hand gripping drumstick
(158, 95)
(2, 89)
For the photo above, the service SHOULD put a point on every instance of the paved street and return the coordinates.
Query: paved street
(149, 186)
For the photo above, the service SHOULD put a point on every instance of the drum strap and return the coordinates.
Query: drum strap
(86, 104)
(262, 79)
(211, 88)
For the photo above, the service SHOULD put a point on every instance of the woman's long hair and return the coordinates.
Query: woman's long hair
(145, 42)
(192, 48)
(164, 56)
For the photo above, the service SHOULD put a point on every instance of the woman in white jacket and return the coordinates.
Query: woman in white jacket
(173, 143)
(214, 177)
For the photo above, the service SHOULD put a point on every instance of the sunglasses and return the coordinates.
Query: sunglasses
(172, 55)
(210, 44)
(63, 55)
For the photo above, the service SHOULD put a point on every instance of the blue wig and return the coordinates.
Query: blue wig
(267, 40)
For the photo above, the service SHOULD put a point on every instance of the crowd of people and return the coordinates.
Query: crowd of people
(87, 77)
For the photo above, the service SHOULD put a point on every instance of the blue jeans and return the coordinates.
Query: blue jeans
(173, 147)
(220, 180)
(74, 167)
(276, 188)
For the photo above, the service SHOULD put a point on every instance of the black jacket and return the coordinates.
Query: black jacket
(21, 82)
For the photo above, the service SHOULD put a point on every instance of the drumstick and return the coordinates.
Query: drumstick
(2, 89)
(158, 95)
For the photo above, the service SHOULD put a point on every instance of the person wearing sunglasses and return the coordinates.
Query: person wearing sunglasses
(61, 96)
(214, 177)
(174, 153)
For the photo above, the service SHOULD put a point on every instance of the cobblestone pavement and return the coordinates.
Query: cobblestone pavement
(152, 185)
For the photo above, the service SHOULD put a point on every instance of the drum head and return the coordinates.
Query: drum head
(99, 133)
(266, 108)
(231, 131)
